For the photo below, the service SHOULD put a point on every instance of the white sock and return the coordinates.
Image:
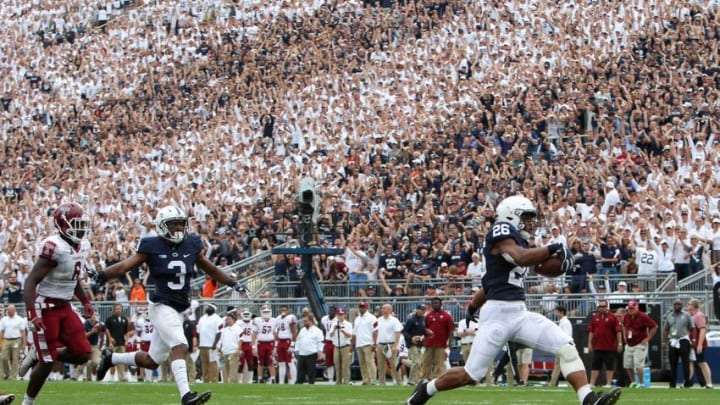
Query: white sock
(283, 371)
(293, 372)
(431, 390)
(28, 400)
(251, 377)
(331, 373)
(583, 392)
(181, 378)
(124, 358)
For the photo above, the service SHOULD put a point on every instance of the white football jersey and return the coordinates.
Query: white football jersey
(246, 330)
(402, 348)
(327, 324)
(265, 329)
(646, 260)
(145, 328)
(284, 326)
(60, 282)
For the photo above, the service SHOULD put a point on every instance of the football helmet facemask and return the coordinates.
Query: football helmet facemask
(72, 222)
(265, 312)
(520, 213)
(246, 315)
(165, 217)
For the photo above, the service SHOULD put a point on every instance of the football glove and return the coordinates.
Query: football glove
(470, 315)
(97, 276)
(568, 259)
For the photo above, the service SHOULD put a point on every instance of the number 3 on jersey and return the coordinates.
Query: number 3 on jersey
(179, 268)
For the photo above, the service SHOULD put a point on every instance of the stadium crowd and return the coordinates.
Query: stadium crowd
(414, 117)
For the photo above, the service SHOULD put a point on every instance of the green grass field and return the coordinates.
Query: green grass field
(71, 393)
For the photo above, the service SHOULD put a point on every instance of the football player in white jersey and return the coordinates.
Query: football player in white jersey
(327, 321)
(144, 329)
(285, 334)
(263, 342)
(49, 288)
(247, 329)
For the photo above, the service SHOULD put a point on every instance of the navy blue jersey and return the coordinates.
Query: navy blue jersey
(503, 280)
(171, 268)
(391, 263)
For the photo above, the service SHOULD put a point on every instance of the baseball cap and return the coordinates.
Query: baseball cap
(341, 311)
(622, 283)
(363, 304)
(632, 304)
(420, 307)
(716, 221)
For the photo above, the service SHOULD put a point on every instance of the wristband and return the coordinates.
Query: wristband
(553, 248)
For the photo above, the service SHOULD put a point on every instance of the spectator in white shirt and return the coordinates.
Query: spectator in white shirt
(476, 269)
(309, 346)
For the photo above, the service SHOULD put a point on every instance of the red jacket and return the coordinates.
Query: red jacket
(604, 328)
(442, 325)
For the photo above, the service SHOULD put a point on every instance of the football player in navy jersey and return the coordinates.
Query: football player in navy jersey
(171, 257)
(503, 316)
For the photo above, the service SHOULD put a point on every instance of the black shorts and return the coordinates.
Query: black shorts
(603, 357)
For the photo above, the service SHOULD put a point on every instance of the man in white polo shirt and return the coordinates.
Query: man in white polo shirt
(229, 348)
(12, 336)
(387, 336)
(365, 324)
(340, 333)
(208, 328)
(309, 347)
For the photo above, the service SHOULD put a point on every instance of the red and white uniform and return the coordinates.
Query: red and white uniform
(145, 331)
(265, 339)
(246, 331)
(54, 293)
(327, 324)
(284, 325)
(60, 282)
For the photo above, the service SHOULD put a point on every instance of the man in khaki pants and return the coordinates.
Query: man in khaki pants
(341, 335)
(208, 328)
(12, 335)
(414, 332)
(441, 323)
(229, 348)
(365, 324)
(387, 337)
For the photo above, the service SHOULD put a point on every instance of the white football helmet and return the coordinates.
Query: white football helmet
(171, 214)
(266, 312)
(246, 315)
(512, 210)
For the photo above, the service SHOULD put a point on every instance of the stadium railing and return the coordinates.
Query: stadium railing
(255, 265)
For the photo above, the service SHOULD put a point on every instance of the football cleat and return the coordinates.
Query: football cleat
(105, 364)
(28, 363)
(603, 398)
(420, 395)
(6, 399)
(193, 398)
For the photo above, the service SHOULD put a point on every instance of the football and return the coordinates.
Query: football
(552, 267)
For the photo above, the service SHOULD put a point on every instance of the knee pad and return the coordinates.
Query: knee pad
(570, 361)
